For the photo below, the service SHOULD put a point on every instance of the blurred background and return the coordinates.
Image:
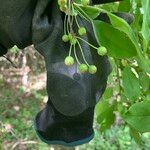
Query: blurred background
(23, 95)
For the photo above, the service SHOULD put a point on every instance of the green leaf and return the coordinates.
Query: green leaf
(145, 82)
(123, 26)
(105, 115)
(111, 7)
(108, 93)
(138, 116)
(101, 107)
(109, 120)
(121, 109)
(90, 11)
(146, 20)
(147, 95)
(136, 135)
(78, 1)
(144, 64)
(131, 84)
(124, 6)
(117, 43)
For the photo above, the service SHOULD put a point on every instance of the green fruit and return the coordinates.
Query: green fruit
(83, 68)
(92, 69)
(69, 61)
(85, 2)
(65, 38)
(73, 41)
(82, 31)
(102, 51)
(59, 2)
(63, 8)
(70, 36)
(62, 2)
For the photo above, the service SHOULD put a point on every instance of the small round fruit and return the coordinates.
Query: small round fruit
(73, 41)
(83, 68)
(62, 2)
(102, 51)
(65, 38)
(85, 2)
(63, 8)
(82, 31)
(92, 69)
(70, 36)
(59, 2)
(69, 61)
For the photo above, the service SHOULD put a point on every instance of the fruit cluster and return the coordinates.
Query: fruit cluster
(71, 13)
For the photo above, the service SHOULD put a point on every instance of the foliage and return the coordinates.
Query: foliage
(128, 47)
(131, 65)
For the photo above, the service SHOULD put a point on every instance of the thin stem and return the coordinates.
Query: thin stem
(73, 13)
(75, 54)
(82, 15)
(75, 17)
(77, 22)
(72, 24)
(69, 12)
(82, 53)
(70, 50)
(76, 5)
(68, 26)
(65, 24)
(87, 42)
